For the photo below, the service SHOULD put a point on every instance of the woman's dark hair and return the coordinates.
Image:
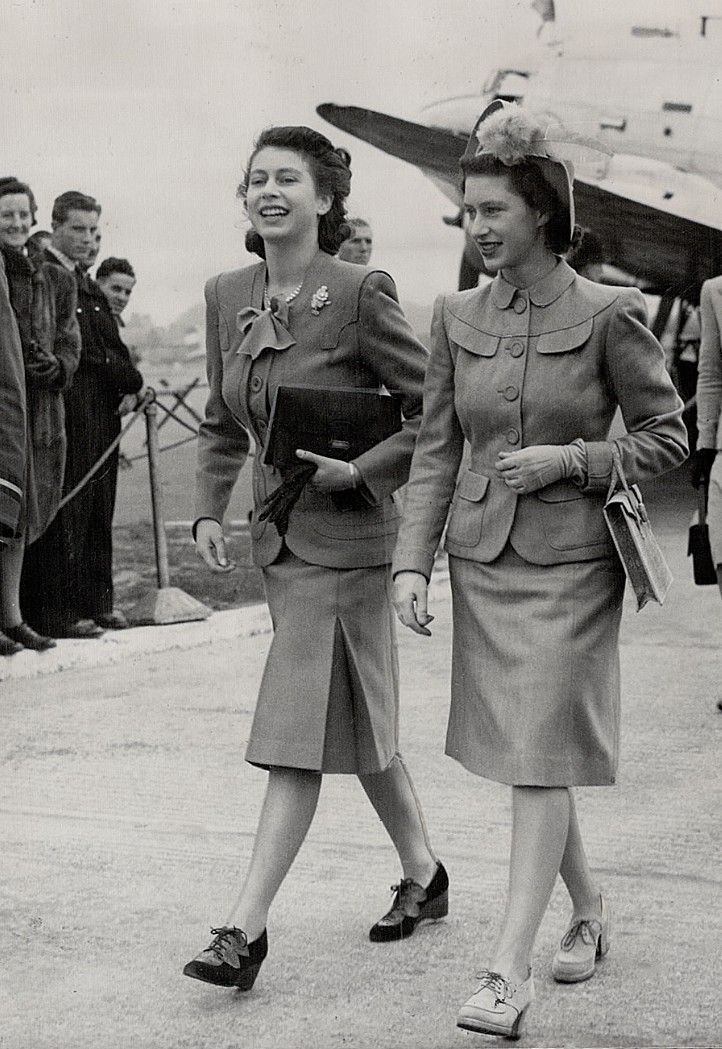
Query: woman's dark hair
(526, 180)
(113, 265)
(10, 184)
(331, 177)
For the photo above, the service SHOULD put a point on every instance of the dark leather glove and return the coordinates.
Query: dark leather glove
(701, 465)
(277, 507)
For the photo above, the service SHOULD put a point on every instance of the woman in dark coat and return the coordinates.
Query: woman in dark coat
(329, 696)
(43, 298)
(529, 371)
(13, 452)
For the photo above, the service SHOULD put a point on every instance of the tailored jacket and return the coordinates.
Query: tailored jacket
(359, 338)
(709, 377)
(13, 445)
(44, 299)
(513, 368)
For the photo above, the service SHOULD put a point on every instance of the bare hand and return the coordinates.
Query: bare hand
(332, 475)
(410, 596)
(211, 546)
(131, 401)
(530, 469)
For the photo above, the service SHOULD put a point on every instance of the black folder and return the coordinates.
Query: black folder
(340, 422)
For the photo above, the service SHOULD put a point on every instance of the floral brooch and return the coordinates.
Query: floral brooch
(319, 299)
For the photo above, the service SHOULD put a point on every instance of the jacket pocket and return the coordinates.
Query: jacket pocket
(560, 492)
(566, 339)
(468, 338)
(570, 519)
(467, 511)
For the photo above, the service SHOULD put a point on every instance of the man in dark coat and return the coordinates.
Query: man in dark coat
(67, 585)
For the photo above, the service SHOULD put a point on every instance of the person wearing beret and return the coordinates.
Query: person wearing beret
(529, 370)
(328, 700)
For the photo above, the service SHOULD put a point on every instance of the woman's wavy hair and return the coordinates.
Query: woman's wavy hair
(10, 184)
(526, 180)
(331, 176)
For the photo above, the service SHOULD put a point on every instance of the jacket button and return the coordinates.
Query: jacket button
(256, 383)
(519, 304)
(512, 435)
(510, 393)
(516, 349)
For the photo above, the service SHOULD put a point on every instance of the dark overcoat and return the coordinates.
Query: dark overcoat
(12, 416)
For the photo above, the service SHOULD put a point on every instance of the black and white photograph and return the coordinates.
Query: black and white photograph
(360, 519)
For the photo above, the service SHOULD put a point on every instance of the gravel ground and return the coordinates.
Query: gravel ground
(127, 814)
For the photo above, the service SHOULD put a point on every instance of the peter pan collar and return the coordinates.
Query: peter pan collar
(543, 293)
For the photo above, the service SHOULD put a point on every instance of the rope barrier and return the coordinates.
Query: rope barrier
(104, 457)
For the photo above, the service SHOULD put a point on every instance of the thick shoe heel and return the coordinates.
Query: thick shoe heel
(517, 1029)
(247, 978)
(605, 934)
(437, 908)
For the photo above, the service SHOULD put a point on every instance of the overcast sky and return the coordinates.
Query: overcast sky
(151, 106)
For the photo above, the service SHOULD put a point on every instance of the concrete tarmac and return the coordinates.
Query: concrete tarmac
(127, 816)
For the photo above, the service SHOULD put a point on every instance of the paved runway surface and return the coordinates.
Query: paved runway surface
(127, 814)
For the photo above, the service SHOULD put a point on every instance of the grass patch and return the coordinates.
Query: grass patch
(135, 573)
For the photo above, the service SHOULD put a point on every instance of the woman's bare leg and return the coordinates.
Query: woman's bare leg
(576, 873)
(286, 815)
(539, 832)
(392, 794)
(11, 566)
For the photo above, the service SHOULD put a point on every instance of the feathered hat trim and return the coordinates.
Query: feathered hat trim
(511, 135)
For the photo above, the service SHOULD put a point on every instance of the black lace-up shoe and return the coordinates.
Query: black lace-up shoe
(413, 904)
(29, 638)
(229, 960)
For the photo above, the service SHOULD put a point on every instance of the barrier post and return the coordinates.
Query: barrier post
(167, 604)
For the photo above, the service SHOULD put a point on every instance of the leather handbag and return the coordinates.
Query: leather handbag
(698, 548)
(628, 523)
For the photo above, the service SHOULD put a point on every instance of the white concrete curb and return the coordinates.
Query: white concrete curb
(122, 646)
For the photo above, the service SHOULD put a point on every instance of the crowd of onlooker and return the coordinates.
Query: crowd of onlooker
(66, 378)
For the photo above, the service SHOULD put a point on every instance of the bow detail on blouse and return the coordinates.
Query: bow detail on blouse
(264, 329)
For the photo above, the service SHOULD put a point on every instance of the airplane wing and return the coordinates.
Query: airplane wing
(662, 224)
(435, 151)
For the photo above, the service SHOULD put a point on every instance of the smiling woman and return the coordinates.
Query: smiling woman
(44, 300)
(329, 698)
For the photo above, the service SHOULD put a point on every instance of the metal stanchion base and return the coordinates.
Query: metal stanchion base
(170, 604)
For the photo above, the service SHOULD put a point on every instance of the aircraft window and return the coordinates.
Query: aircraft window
(613, 123)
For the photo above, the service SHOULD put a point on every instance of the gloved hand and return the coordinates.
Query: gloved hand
(701, 465)
(277, 507)
(535, 467)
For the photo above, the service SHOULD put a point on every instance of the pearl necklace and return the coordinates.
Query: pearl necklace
(289, 298)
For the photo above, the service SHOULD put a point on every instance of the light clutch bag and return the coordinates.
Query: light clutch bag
(628, 523)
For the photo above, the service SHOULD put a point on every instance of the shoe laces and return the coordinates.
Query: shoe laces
(222, 941)
(408, 897)
(587, 929)
(496, 983)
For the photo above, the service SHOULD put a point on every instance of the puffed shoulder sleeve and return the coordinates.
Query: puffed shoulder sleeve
(437, 456)
(656, 438)
(223, 443)
(393, 354)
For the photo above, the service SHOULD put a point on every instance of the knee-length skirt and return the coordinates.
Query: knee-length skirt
(714, 510)
(535, 692)
(328, 700)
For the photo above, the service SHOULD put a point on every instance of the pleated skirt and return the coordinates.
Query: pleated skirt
(329, 695)
(535, 690)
